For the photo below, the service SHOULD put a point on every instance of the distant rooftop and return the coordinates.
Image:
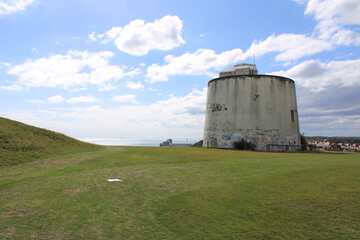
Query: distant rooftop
(240, 69)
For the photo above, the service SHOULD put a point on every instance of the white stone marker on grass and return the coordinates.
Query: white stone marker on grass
(114, 180)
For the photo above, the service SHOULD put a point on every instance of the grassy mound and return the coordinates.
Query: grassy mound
(23, 143)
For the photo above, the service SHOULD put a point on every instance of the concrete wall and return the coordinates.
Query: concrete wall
(257, 108)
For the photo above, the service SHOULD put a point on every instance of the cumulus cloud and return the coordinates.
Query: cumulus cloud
(333, 14)
(134, 85)
(125, 98)
(181, 116)
(330, 125)
(290, 46)
(201, 62)
(92, 36)
(316, 75)
(14, 87)
(77, 89)
(83, 99)
(334, 17)
(346, 37)
(107, 87)
(34, 101)
(153, 89)
(56, 99)
(334, 111)
(35, 50)
(72, 69)
(8, 7)
(191, 104)
(5, 64)
(138, 38)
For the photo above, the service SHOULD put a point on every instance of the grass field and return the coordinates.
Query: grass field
(182, 193)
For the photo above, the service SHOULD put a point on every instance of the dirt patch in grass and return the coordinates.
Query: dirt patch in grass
(73, 192)
(114, 149)
(101, 185)
(15, 213)
(78, 157)
(74, 158)
(7, 229)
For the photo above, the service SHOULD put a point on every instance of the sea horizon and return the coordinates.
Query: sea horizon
(135, 142)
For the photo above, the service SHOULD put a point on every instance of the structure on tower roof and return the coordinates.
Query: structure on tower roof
(240, 69)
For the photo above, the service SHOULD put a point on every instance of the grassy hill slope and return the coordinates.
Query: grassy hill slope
(23, 143)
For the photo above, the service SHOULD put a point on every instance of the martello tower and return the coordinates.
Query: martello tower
(261, 109)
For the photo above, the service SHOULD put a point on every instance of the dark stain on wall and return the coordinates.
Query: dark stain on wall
(217, 107)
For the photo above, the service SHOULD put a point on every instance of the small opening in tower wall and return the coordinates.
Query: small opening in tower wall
(292, 116)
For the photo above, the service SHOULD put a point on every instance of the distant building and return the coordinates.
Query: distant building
(169, 143)
(166, 143)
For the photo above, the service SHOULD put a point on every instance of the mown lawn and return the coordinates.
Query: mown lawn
(182, 193)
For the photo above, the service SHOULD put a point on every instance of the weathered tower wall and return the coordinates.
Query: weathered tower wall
(257, 108)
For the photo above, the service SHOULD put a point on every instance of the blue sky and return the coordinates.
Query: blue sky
(139, 69)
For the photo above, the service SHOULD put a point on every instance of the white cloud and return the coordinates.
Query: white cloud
(202, 62)
(74, 68)
(92, 36)
(206, 62)
(83, 99)
(180, 116)
(331, 125)
(5, 64)
(134, 85)
(138, 38)
(300, 1)
(35, 50)
(125, 98)
(8, 7)
(14, 87)
(317, 76)
(333, 14)
(182, 111)
(107, 87)
(346, 37)
(77, 89)
(290, 46)
(55, 99)
(180, 107)
(334, 18)
(34, 101)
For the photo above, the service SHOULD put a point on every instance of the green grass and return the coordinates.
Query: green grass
(21, 143)
(182, 193)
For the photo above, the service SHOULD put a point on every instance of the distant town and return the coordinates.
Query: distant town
(336, 144)
(339, 144)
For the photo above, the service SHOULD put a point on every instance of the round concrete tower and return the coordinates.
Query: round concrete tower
(260, 109)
